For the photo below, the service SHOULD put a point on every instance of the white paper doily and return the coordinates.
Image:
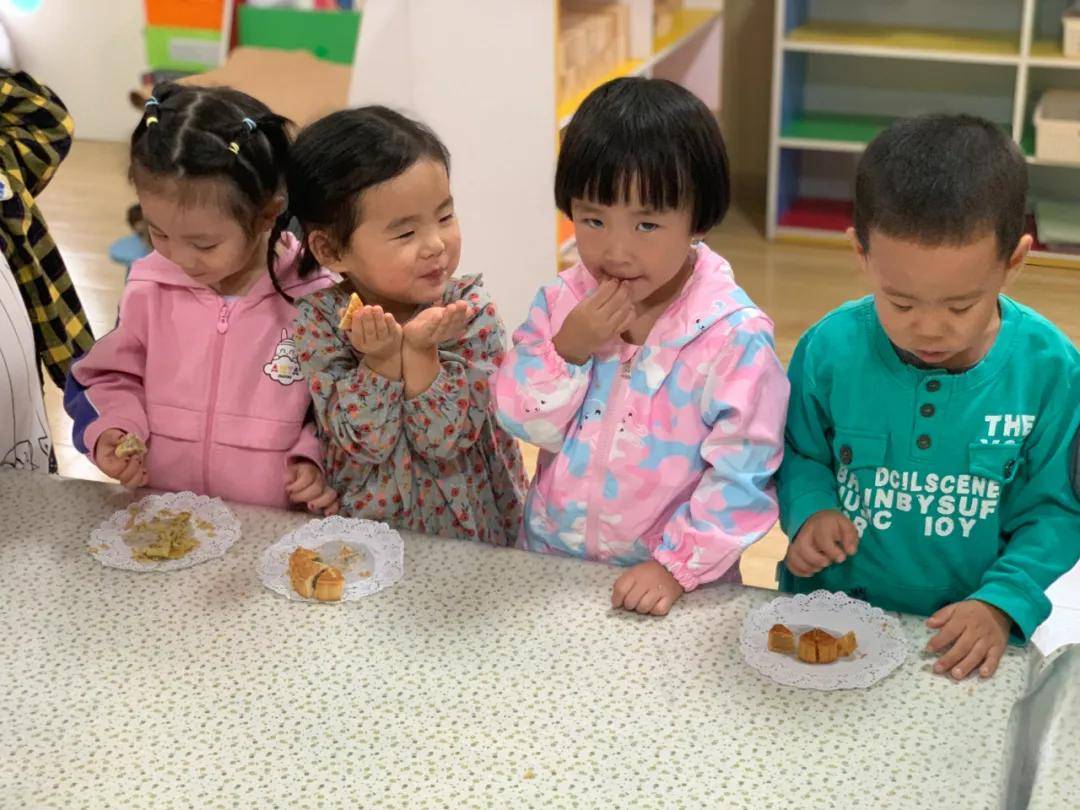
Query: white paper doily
(376, 556)
(882, 646)
(213, 525)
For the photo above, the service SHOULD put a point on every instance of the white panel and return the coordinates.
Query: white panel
(485, 82)
(90, 53)
(697, 65)
(382, 67)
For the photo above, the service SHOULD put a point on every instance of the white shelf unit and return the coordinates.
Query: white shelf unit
(842, 71)
(481, 73)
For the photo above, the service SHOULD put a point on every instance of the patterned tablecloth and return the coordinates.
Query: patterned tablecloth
(486, 678)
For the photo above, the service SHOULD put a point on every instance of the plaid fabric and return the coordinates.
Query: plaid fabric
(35, 135)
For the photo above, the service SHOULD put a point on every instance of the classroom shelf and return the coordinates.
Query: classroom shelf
(834, 90)
(810, 214)
(832, 131)
(1027, 146)
(914, 43)
(688, 23)
(566, 109)
(1048, 53)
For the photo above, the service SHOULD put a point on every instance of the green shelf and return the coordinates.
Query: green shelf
(836, 127)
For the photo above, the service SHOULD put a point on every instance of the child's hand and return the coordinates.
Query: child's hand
(978, 634)
(607, 312)
(648, 587)
(375, 334)
(827, 537)
(128, 471)
(436, 325)
(304, 483)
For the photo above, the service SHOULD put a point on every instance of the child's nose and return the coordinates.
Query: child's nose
(433, 245)
(615, 255)
(929, 328)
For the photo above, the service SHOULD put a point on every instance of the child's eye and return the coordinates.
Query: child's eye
(902, 307)
(448, 218)
(406, 235)
(647, 227)
(593, 222)
(204, 247)
(960, 310)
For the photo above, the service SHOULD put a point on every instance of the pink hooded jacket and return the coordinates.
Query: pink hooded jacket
(212, 385)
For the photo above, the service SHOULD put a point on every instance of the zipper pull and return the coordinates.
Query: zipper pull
(223, 320)
(627, 369)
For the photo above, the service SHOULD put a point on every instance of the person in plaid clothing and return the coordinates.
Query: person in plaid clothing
(35, 136)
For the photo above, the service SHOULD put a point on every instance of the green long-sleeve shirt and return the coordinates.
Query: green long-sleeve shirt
(959, 484)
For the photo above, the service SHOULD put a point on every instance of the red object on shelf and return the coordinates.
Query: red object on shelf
(818, 214)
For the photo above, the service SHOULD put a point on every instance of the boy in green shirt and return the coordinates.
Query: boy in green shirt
(931, 425)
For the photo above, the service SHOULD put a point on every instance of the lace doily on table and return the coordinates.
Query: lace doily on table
(212, 524)
(370, 555)
(882, 646)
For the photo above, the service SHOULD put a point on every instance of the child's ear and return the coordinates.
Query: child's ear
(322, 247)
(1016, 260)
(270, 212)
(862, 256)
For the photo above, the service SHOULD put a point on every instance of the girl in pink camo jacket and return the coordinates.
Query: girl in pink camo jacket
(644, 373)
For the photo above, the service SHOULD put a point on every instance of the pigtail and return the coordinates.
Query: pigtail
(281, 224)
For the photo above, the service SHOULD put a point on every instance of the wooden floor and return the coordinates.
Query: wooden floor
(85, 207)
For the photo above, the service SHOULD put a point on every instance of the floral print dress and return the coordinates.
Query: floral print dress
(438, 463)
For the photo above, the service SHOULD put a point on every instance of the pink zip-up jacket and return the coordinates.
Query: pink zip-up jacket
(213, 386)
(665, 451)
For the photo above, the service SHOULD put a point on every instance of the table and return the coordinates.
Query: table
(486, 678)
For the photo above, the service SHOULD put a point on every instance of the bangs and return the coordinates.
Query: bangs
(200, 191)
(657, 178)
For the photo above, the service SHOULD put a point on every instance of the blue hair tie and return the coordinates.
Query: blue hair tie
(250, 124)
(151, 101)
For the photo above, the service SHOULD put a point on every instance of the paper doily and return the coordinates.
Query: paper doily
(882, 644)
(374, 558)
(213, 525)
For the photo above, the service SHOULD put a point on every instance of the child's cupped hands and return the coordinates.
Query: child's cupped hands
(607, 312)
(129, 471)
(648, 588)
(375, 334)
(435, 325)
(305, 484)
(828, 537)
(971, 635)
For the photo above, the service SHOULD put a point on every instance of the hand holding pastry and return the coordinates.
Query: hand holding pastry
(112, 458)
